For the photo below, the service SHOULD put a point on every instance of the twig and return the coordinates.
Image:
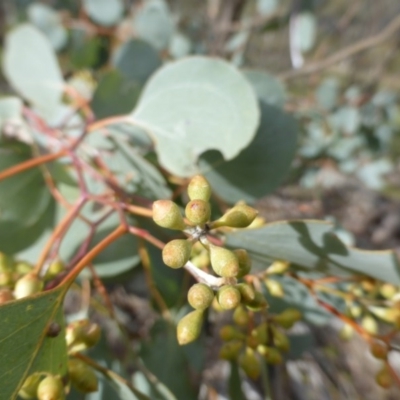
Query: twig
(347, 52)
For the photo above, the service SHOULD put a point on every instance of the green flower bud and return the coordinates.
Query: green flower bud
(369, 324)
(247, 292)
(387, 290)
(23, 267)
(228, 297)
(198, 211)
(30, 386)
(241, 316)
(82, 376)
(250, 363)
(281, 341)
(346, 332)
(229, 332)
(6, 295)
(240, 216)
(384, 378)
(6, 263)
(274, 287)
(278, 267)
(51, 388)
(200, 296)
(260, 333)
(6, 279)
(224, 262)
(258, 303)
(167, 214)
(27, 285)
(176, 253)
(81, 335)
(230, 350)
(199, 188)
(379, 349)
(244, 262)
(55, 268)
(287, 318)
(271, 355)
(189, 327)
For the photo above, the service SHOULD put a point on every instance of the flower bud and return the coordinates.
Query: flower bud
(167, 214)
(55, 268)
(51, 388)
(346, 332)
(224, 262)
(199, 188)
(274, 288)
(230, 350)
(258, 303)
(6, 263)
(6, 295)
(228, 297)
(82, 334)
(278, 267)
(379, 349)
(244, 262)
(247, 292)
(260, 333)
(198, 211)
(271, 355)
(387, 290)
(241, 316)
(384, 378)
(200, 296)
(30, 386)
(281, 341)
(27, 285)
(250, 364)
(369, 324)
(82, 376)
(239, 216)
(6, 279)
(287, 318)
(229, 332)
(176, 253)
(23, 267)
(189, 327)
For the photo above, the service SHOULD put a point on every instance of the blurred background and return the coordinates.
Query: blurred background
(332, 64)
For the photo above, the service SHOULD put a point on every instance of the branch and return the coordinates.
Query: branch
(347, 52)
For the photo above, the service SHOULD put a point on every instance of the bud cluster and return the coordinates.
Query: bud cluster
(263, 341)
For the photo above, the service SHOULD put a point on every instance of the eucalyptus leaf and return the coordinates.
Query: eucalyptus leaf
(304, 31)
(313, 246)
(49, 22)
(104, 12)
(24, 343)
(154, 23)
(136, 60)
(266, 160)
(267, 88)
(193, 105)
(31, 67)
(235, 383)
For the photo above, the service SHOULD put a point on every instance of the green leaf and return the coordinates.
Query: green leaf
(136, 60)
(267, 88)
(104, 12)
(197, 104)
(31, 67)
(49, 22)
(267, 160)
(114, 95)
(85, 50)
(163, 356)
(154, 23)
(23, 341)
(235, 390)
(266, 7)
(327, 93)
(24, 197)
(313, 246)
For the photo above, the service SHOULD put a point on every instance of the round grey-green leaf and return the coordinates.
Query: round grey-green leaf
(104, 12)
(194, 105)
(31, 68)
